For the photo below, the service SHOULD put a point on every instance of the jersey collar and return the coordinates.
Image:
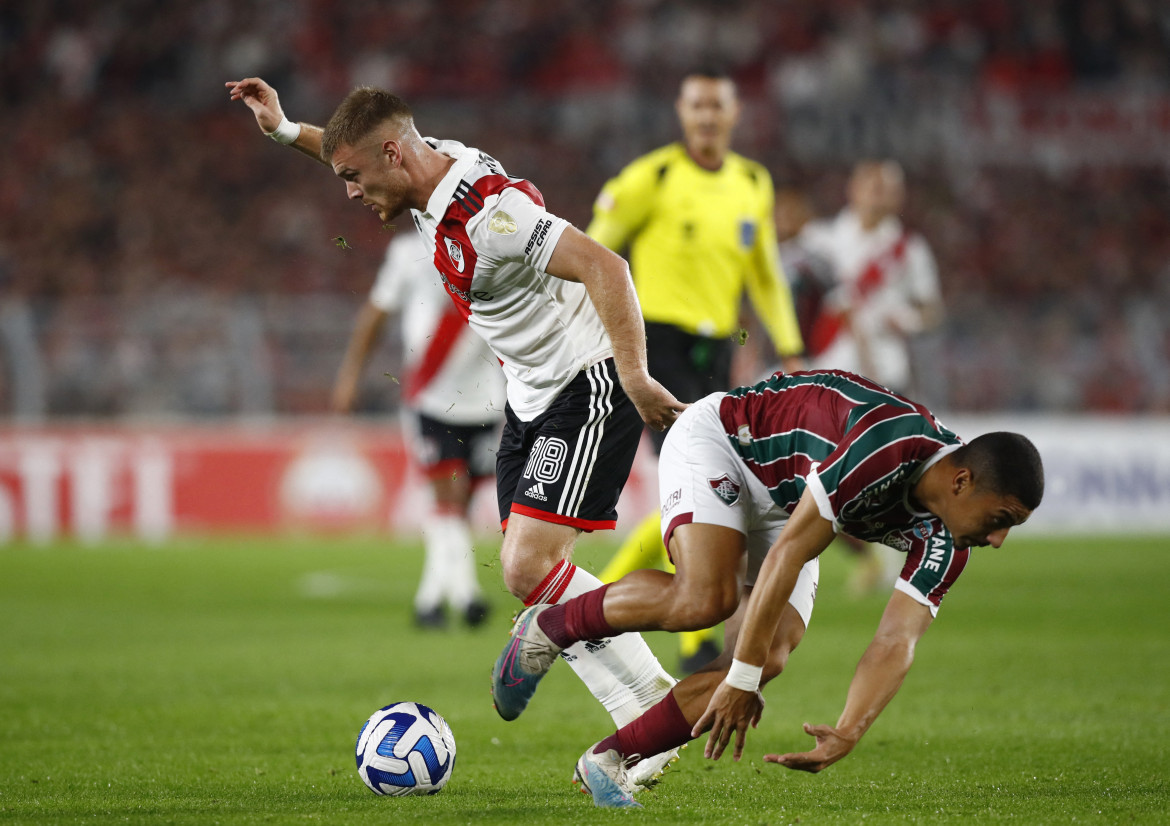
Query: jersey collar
(465, 158)
(917, 474)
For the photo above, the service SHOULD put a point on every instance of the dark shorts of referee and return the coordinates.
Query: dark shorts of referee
(570, 463)
(689, 366)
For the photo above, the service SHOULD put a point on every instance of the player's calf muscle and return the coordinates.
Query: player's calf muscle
(645, 600)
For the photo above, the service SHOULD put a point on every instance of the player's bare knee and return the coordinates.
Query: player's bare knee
(775, 664)
(789, 636)
(695, 609)
(518, 574)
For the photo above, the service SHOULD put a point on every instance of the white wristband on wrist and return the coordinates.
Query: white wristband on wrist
(743, 676)
(286, 132)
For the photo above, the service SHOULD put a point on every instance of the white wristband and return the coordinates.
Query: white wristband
(286, 132)
(743, 676)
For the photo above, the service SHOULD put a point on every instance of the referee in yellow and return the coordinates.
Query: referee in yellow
(697, 221)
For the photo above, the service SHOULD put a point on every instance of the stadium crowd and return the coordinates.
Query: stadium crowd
(141, 273)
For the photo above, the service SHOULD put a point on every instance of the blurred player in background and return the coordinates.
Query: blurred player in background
(697, 221)
(559, 312)
(754, 485)
(454, 391)
(810, 275)
(886, 281)
(885, 291)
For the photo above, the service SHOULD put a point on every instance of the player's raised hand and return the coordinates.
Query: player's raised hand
(831, 747)
(730, 711)
(260, 98)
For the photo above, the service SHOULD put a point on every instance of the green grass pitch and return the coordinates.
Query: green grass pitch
(224, 681)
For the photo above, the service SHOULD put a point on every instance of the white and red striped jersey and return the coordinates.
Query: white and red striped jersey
(491, 239)
(450, 373)
(860, 449)
(882, 276)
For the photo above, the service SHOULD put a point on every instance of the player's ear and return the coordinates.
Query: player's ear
(393, 152)
(961, 480)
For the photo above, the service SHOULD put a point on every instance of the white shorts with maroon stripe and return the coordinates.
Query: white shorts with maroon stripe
(702, 479)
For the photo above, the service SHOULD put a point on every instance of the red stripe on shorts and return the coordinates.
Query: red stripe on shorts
(561, 519)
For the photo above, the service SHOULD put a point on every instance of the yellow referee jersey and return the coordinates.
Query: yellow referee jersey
(697, 240)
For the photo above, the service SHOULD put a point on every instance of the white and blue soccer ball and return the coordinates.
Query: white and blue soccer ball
(405, 748)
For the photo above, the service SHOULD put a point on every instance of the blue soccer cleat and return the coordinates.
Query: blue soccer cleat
(524, 661)
(604, 776)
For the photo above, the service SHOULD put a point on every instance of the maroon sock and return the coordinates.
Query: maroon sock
(660, 728)
(581, 618)
(552, 622)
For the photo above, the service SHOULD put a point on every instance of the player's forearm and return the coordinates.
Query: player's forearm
(606, 277)
(308, 142)
(805, 536)
(765, 606)
(879, 675)
(366, 331)
(612, 293)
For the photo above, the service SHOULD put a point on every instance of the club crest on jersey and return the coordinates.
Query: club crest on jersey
(501, 223)
(455, 253)
(895, 540)
(725, 489)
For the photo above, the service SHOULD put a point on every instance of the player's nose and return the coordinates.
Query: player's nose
(996, 538)
(352, 190)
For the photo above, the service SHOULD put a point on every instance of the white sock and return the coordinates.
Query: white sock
(430, 587)
(621, 672)
(452, 537)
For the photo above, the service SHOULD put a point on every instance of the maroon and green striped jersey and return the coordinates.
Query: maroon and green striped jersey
(861, 448)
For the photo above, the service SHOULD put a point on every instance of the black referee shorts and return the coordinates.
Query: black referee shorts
(689, 366)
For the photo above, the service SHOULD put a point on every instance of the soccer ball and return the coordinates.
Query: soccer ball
(405, 748)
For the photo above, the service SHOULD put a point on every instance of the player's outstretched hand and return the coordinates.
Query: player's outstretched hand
(831, 747)
(260, 98)
(730, 711)
(656, 405)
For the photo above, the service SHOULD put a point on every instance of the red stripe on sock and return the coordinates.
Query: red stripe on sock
(553, 585)
(662, 727)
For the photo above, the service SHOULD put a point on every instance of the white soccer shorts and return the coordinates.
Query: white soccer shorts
(702, 479)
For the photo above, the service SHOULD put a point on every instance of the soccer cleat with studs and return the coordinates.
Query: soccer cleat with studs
(648, 771)
(522, 664)
(604, 776)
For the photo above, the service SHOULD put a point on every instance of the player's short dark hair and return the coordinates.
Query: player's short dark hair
(362, 111)
(1005, 463)
(710, 70)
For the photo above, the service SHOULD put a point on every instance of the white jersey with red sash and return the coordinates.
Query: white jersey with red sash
(882, 275)
(491, 241)
(450, 374)
(860, 449)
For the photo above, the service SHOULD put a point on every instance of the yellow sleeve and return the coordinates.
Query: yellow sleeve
(624, 205)
(768, 288)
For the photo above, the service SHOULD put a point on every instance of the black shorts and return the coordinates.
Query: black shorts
(570, 463)
(442, 448)
(689, 366)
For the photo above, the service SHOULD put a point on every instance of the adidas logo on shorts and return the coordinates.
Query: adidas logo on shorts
(536, 492)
